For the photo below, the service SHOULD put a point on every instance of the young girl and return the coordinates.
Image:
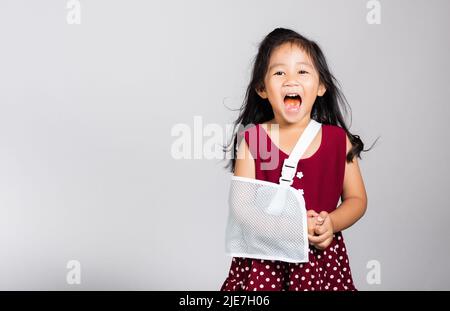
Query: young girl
(291, 84)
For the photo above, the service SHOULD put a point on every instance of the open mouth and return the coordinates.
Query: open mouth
(292, 102)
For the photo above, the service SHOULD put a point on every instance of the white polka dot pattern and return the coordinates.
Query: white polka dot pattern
(327, 270)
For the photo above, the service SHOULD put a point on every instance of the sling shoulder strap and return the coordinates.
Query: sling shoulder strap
(290, 164)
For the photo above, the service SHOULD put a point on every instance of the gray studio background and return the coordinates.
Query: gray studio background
(86, 113)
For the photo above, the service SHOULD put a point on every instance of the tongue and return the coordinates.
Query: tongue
(292, 101)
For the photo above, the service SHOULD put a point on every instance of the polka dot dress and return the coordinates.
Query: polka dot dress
(322, 182)
(327, 270)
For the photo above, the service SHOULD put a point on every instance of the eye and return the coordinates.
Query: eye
(303, 72)
(278, 73)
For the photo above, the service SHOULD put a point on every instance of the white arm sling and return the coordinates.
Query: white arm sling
(268, 220)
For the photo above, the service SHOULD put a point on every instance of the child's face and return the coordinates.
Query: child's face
(291, 72)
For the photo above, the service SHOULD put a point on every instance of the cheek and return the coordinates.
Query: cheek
(311, 86)
(273, 90)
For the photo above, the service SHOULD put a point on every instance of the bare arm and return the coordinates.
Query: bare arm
(245, 164)
(354, 197)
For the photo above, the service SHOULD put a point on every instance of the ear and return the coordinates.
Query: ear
(321, 90)
(262, 92)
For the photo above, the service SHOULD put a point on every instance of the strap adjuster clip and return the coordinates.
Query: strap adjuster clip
(287, 174)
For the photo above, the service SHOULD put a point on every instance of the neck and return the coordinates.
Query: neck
(286, 126)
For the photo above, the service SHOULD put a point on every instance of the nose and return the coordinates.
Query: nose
(291, 81)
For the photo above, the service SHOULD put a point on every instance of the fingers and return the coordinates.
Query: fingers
(324, 244)
(319, 230)
(317, 239)
(313, 239)
(311, 220)
(312, 213)
(320, 234)
(320, 245)
(321, 217)
(311, 225)
(323, 214)
(310, 239)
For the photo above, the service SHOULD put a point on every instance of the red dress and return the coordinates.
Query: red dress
(322, 183)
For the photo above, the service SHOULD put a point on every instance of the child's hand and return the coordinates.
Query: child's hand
(311, 220)
(323, 231)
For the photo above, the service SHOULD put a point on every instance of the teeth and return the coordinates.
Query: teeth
(292, 95)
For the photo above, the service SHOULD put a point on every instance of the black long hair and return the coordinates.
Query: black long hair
(326, 108)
